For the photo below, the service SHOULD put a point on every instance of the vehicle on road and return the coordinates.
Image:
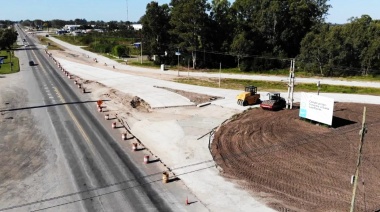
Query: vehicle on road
(275, 102)
(31, 63)
(249, 96)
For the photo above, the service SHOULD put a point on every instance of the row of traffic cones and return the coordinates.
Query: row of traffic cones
(114, 124)
(70, 76)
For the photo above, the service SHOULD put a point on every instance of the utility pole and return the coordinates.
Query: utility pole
(178, 60)
(127, 12)
(10, 52)
(141, 49)
(362, 132)
(319, 86)
(289, 103)
(220, 72)
(178, 56)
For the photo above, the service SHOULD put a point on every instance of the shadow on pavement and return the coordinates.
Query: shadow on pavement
(49, 105)
(140, 149)
(174, 179)
(130, 138)
(154, 161)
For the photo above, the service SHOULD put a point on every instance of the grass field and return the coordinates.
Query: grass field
(45, 41)
(6, 66)
(238, 84)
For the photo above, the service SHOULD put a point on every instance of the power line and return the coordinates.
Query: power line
(243, 55)
(259, 152)
(348, 69)
(127, 10)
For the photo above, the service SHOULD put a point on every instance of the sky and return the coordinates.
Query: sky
(132, 10)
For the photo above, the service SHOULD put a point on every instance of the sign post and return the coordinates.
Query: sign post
(317, 108)
(178, 54)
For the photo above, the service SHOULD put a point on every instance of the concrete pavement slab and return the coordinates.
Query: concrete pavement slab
(142, 87)
(324, 80)
(175, 138)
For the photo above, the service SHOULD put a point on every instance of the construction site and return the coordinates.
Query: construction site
(287, 162)
(229, 150)
(299, 165)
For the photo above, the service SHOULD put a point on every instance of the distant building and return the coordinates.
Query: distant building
(71, 28)
(76, 33)
(137, 26)
(61, 32)
(98, 30)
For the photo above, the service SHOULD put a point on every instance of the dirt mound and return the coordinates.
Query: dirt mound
(139, 103)
(197, 98)
(301, 166)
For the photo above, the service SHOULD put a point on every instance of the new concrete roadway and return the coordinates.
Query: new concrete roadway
(94, 162)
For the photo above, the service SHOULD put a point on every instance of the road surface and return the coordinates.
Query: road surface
(104, 178)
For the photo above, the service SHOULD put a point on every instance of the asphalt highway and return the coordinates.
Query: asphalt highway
(95, 160)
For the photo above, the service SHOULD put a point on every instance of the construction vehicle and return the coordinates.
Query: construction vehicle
(249, 97)
(275, 102)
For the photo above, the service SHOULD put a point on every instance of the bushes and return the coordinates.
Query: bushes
(120, 50)
(263, 65)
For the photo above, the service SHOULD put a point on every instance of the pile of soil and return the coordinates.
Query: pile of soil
(137, 102)
(197, 98)
(295, 165)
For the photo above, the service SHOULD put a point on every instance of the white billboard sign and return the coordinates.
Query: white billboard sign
(317, 108)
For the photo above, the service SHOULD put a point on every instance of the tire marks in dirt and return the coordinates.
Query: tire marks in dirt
(303, 166)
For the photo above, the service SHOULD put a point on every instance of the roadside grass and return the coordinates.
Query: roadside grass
(112, 57)
(6, 67)
(277, 72)
(70, 39)
(135, 62)
(375, 78)
(269, 86)
(145, 63)
(52, 46)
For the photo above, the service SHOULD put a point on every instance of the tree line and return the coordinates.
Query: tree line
(343, 50)
(255, 36)
(116, 36)
(259, 36)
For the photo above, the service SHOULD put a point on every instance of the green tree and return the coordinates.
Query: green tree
(57, 23)
(220, 30)
(189, 21)
(113, 25)
(7, 38)
(278, 26)
(120, 50)
(240, 46)
(38, 23)
(348, 49)
(47, 25)
(155, 29)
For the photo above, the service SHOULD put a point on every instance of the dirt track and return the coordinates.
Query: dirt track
(298, 166)
(22, 145)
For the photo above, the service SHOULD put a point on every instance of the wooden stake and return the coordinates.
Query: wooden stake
(362, 132)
